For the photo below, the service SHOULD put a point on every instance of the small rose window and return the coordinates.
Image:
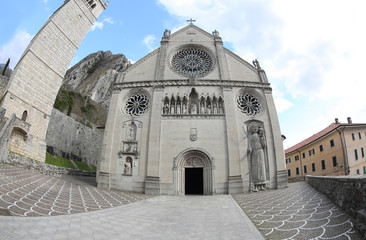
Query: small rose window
(137, 104)
(248, 104)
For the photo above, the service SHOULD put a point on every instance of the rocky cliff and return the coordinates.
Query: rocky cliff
(94, 76)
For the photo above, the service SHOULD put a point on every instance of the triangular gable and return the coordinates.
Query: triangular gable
(147, 63)
(191, 26)
(237, 57)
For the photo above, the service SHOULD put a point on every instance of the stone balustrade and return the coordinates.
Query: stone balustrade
(349, 192)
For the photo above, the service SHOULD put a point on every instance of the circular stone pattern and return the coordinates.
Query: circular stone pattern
(249, 104)
(137, 104)
(192, 62)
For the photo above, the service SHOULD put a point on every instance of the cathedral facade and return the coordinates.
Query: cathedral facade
(192, 117)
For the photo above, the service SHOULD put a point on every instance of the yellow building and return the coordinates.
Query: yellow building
(338, 149)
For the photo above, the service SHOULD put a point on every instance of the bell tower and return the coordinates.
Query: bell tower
(37, 77)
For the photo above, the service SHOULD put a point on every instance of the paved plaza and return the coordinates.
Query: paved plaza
(29, 200)
(297, 212)
(27, 193)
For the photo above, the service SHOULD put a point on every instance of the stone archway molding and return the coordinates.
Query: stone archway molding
(201, 159)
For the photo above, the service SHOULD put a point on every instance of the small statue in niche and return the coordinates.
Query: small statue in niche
(209, 109)
(166, 109)
(172, 110)
(220, 109)
(214, 109)
(128, 166)
(178, 108)
(131, 131)
(184, 108)
(194, 108)
(202, 110)
(257, 144)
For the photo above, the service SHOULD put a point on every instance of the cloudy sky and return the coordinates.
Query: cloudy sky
(312, 51)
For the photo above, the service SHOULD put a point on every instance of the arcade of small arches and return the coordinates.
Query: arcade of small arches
(92, 4)
(193, 104)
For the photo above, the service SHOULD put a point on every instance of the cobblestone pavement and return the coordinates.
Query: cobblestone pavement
(297, 212)
(216, 217)
(27, 193)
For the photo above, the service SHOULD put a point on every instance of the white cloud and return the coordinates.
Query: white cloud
(100, 24)
(15, 47)
(97, 25)
(150, 42)
(282, 104)
(109, 20)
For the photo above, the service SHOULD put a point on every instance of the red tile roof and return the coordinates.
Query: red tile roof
(318, 135)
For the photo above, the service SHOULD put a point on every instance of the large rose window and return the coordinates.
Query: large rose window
(137, 104)
(192, 62)
(249, 104)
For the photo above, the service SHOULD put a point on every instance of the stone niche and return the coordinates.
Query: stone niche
(129, 149)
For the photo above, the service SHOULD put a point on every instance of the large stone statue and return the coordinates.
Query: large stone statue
(257, 144)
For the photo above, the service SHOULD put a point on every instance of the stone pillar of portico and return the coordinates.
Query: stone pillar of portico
(279, 164)
(235, 182)
(152, 183)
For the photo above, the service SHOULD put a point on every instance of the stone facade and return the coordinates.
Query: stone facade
(185, 110)
(348, 192)
(37, 77)
(73, 140)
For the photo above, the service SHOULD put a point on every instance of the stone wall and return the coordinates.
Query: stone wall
(73, 140)
(44, 168)
(5, 132)
(3, 82)
(349, 192)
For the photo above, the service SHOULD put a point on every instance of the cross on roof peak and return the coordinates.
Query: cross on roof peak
(191, 20)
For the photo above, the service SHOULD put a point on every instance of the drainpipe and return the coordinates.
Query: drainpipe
(344, 149)
(301, 170)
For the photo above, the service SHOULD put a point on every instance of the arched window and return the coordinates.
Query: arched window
(202, 105)
(166, 105)
(25, 115)
(214, 105)
(193, 102)
(179, 105)
(209, 105)
(185, 105)
(172, 105)
(221, 105)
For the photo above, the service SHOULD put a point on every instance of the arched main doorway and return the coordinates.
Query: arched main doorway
(193, 173)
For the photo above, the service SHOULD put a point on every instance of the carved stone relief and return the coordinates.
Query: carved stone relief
(193, 162)
(193, 134)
